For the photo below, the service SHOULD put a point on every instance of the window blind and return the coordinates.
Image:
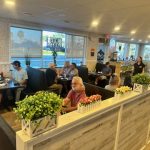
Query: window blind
(25, 42)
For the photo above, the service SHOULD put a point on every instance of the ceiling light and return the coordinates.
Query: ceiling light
(95, 23)
(117, 28)
(148, 36)
(140, 40)
(132, 39)
(133, 32)
(10, 3)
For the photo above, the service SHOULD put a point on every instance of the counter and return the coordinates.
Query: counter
(116, 125)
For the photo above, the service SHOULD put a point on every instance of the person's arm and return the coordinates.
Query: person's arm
(69, 109)
(143, 68)
(25, 78)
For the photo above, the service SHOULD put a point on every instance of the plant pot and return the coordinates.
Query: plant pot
(88, 107)
(140, 87)
(39, 126)
(119, 96)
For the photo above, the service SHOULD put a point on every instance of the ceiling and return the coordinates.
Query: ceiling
(78, 14)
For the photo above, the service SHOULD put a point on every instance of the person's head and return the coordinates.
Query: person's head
(52, 66)
(67, 64)
(73, 66)
(139, 59)
(16, 64)
(107, 64)
(77, 84)
(114, 80)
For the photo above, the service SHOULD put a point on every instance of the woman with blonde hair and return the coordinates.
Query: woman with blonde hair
(113, 83)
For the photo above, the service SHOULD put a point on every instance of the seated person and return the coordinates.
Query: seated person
(103, 79)
(66, 69)
(73, 71)
(19, 74)
(107, 71)
(51, 77)
(113, 83)
(74, 96)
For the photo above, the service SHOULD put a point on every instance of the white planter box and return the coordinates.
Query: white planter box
(121, 96)
(88, 107)
(140, 88)
(36, 127)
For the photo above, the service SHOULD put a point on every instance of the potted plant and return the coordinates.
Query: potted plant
(38, 112)
(88, 103)
(122, 91)
(141, 82)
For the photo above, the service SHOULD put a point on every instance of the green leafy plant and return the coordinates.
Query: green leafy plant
(141, 79)
(126, 68)
(39, 105)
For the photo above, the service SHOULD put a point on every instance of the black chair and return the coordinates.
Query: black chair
(99, 67)
(113, 68)
(92, 90)
(36, 82)
(83, 73)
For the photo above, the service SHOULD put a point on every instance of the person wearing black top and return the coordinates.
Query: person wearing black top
(138, 66)
(51, 77)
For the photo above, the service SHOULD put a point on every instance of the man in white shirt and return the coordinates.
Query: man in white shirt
(19, 74)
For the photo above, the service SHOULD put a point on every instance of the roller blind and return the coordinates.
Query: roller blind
(75, 46)
(25, 42)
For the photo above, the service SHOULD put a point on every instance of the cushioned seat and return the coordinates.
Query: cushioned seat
(83, 73)
(36, 81)
(92, 90)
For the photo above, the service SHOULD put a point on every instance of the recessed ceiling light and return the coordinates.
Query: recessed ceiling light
(27, 13)
(95, 23)
(133, 31)
(117, 28)
(10, 3)
(132, 39)
(140, 40)
(148, 36)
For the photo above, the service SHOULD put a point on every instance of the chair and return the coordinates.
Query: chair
(83, 73)
(92, 90)
(36, 81)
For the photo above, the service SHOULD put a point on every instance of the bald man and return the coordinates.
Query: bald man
(51, 77)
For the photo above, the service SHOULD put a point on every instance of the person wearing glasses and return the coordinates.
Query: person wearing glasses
(74, 96)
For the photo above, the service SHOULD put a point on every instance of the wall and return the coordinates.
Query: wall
(4, 38)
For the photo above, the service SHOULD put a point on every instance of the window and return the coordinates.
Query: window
(121, 49)
(133, 50)
(146, 53)
(25, 42)
(68, 47)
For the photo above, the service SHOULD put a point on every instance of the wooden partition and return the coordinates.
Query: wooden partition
(116, 125)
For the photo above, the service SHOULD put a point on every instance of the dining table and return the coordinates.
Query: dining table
(6, 84)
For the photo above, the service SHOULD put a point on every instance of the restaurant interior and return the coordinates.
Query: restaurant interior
(74, 75)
